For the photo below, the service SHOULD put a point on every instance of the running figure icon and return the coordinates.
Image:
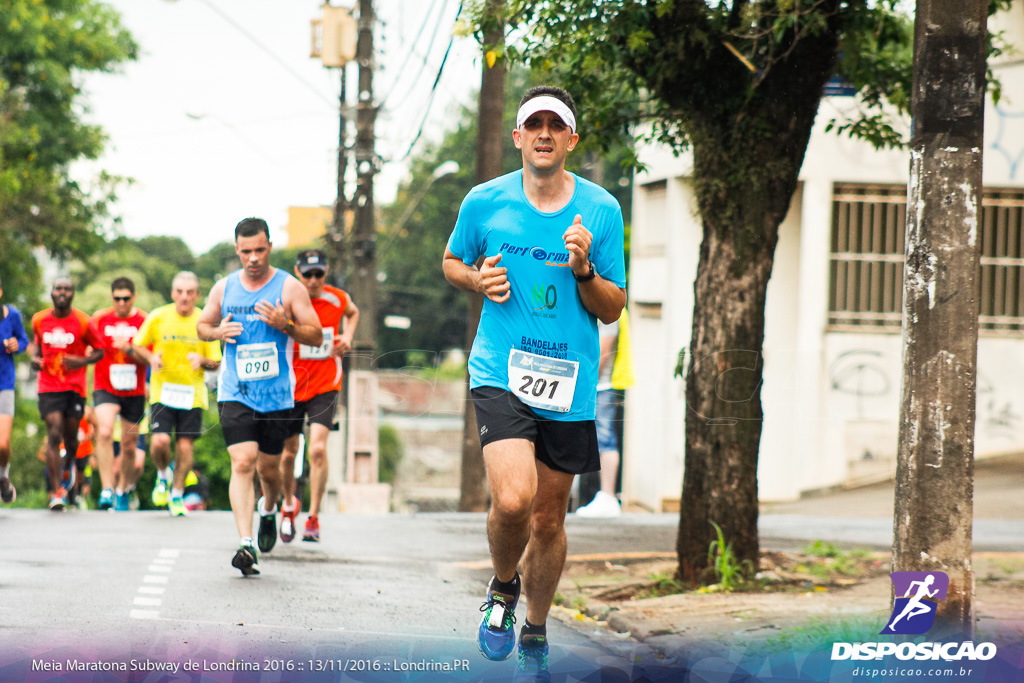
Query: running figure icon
(914, 609)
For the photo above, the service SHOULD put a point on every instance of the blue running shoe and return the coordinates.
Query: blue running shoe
(497, 635)
(59, 500)
(122, 502)
(533, 660)
(106, 499)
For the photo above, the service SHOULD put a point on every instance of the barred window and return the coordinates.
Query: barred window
(653, 215)
(867, 252)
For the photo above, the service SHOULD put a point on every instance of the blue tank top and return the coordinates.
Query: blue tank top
(258, 366)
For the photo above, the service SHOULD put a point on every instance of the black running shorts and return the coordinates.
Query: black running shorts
(241, 423)
(563, 446)
(133, 408)
(67, 403)
(184, 424)
(320, 410)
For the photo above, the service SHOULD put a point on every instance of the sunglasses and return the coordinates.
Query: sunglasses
(122, 299)
(313, 273)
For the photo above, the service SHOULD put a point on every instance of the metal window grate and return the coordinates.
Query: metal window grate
(867, 252)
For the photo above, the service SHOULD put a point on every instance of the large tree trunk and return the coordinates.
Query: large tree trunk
(723, 401)
(746, 166)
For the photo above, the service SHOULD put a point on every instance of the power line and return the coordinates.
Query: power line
(409, 53)
(426, 54)
(433, 91)
(253, 39)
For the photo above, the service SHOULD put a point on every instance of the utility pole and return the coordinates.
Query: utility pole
(337, 39)
(363, 286)
(490, 135)
(935, 468)
(334, 44)
(336, 252)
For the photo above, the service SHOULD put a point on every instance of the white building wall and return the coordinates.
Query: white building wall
(779, 399)
(831, 400)
(662, 272)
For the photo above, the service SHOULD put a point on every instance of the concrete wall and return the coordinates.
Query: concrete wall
(427, 415)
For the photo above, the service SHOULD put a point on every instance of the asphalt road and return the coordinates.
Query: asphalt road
(379, 594)
(381, 598)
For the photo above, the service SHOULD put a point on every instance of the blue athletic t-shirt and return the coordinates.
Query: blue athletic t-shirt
(257, 368)
(11, 326)
(544, 314)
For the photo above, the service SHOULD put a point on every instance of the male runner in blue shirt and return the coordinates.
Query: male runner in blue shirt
(553, 264)
(259, 312)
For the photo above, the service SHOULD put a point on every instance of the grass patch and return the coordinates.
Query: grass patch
(819, 635)
(729, 571)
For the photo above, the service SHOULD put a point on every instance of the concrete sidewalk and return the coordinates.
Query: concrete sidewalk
(666, 630)
(863, 517)
(998, 494)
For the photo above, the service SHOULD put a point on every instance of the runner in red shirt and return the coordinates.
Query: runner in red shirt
(119, 388)
(317, 382)
(63, 346)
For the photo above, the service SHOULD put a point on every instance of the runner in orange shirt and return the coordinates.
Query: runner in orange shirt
(317, 382)
(119, 390)
(63, 346)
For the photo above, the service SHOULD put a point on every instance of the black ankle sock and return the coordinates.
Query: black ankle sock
(533, 630)
(506, 587)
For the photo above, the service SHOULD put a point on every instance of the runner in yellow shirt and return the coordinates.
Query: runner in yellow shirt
(177, 390)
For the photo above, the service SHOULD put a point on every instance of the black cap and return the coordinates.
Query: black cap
(311, 259)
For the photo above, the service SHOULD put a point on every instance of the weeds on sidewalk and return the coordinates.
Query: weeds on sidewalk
(819, 567)
(728, 570)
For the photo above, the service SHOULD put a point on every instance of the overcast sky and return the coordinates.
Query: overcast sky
(226, 116)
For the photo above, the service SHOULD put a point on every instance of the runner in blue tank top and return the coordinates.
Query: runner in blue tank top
(261, 356)
(553, 264)
(258, 312)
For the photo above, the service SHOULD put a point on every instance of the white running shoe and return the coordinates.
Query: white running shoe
(603, 505)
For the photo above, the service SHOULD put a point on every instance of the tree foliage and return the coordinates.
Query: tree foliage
(217, 262)
(46, 46)
(150, 270)
(674, 64)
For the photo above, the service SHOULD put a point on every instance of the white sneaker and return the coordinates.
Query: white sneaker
(603, 505)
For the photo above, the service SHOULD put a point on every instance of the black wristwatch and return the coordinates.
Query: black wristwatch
(591, 274)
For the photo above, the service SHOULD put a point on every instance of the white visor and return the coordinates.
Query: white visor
(546, 103)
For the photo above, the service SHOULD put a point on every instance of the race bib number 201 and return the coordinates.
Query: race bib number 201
(542, 382)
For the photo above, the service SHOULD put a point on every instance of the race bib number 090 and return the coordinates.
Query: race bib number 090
(256, 361)
(542, 382)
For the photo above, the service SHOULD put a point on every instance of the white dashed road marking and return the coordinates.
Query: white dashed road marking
(158, 573)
